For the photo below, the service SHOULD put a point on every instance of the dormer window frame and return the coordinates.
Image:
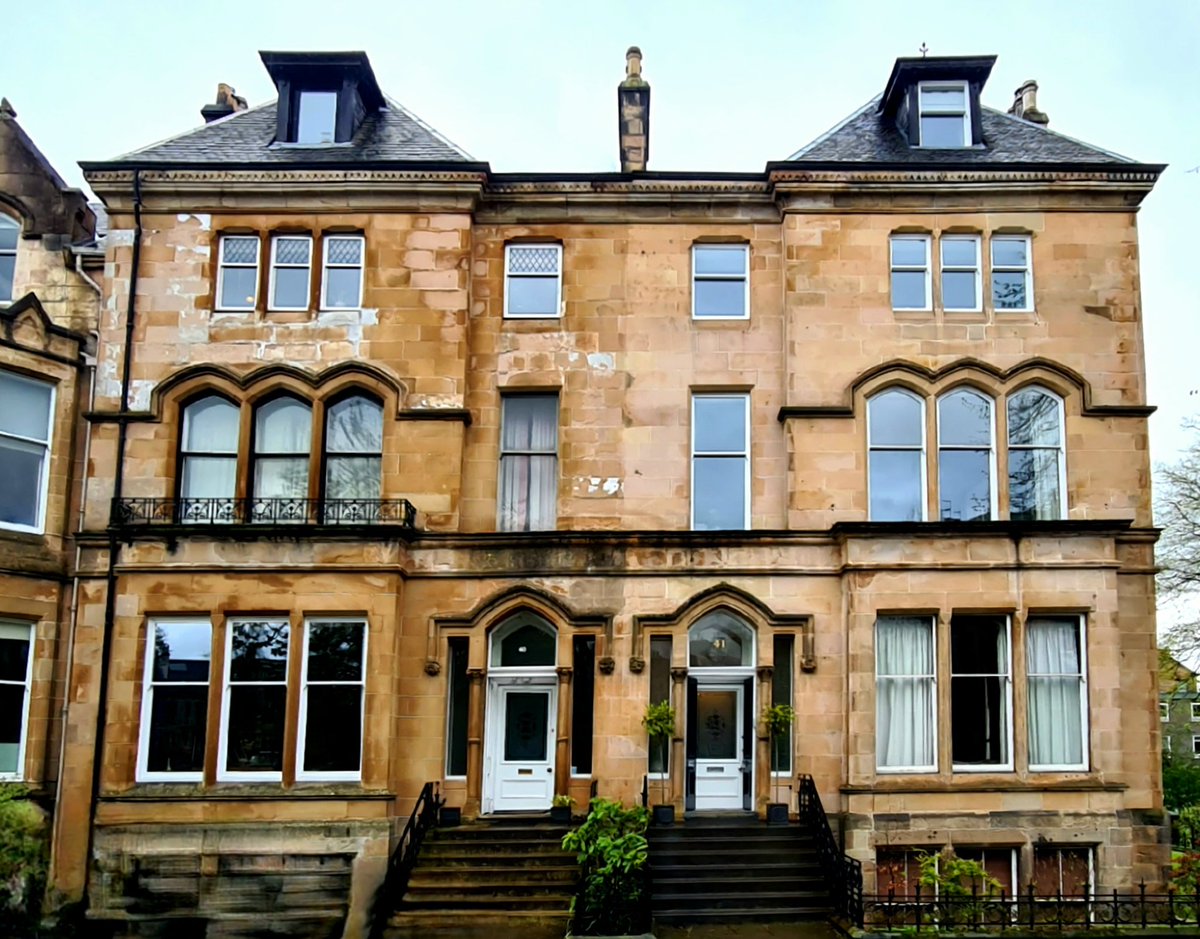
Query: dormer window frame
(297, 113)
(935, 110)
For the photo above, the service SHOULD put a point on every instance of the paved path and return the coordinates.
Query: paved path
(750, 931)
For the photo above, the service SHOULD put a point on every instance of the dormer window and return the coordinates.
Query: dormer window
(316, 119)
(945, 114)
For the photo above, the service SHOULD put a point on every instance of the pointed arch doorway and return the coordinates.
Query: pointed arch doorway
(520, 724)
(720, 715)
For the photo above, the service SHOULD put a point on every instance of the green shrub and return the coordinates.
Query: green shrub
(611, 849)
(24, 858)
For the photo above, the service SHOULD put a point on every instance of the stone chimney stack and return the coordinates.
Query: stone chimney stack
(1025, 106)
(227, 103)
(633, 115)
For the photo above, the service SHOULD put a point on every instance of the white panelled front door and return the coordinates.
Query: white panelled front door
(719, 718)
(521, 740)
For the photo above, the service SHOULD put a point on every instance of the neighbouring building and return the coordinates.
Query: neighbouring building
(50, 266)
(1179, 709)
(403, 470)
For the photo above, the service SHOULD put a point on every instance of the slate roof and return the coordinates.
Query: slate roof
(868, 137)
(391, 135)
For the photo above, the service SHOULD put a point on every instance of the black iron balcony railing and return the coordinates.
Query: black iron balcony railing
(142, 512)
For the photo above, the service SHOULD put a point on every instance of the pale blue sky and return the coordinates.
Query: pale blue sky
(530, 86)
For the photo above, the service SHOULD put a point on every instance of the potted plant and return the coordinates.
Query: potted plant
(560, 809)
(778, 719)
(659, 721)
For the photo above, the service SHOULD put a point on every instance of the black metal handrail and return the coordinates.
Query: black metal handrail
(1028, 910)
(843, 874)
(142, 512)
(404, 858)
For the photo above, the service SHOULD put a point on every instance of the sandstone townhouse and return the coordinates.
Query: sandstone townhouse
(404, 471)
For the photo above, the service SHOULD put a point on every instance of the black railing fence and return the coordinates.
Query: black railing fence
(843, 874)
(404, 858)
(138, 512)
(1030, 911)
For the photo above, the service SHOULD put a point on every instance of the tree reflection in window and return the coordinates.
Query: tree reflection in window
(1035, 455)
(353, 460)
(965, 456)
(257, 697)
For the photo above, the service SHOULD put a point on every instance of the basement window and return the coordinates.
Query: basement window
(980, 693)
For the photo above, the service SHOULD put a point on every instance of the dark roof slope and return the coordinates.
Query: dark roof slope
(869, 137)
(390, 135)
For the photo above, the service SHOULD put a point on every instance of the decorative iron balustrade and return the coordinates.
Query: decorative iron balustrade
(843, 874)
(1029, 912)
(140, 512)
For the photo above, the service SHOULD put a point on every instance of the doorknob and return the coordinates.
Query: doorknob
(549, 769)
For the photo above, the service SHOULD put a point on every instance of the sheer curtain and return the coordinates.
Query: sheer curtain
(210, 444)
(282, 441)
(904, 692)
(529, 463)
(1055, 689)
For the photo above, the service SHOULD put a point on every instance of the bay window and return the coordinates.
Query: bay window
(282, 443)
(175, 701)
(291, 272)
(896, 456)
(905, 698)
(980, 693)
(1035, 457)
(331, 700)
(208, 459)
(353, 457)
(1057, 674)
(965, 456)
(342, 283)
(255, 700)
(237, 272)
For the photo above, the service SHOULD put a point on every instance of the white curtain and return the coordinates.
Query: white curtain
(1055, 686)
(282, 426)
(210, 443)
(529, 463)
(904, 691)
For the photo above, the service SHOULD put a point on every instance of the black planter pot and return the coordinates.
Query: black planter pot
(450, 816)
(560, 814)
(777, 813)
(664, 816)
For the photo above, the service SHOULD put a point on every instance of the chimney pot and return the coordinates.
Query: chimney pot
(1025, 106)
(227, 103)
(633, 115)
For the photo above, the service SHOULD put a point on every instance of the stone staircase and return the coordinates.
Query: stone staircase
(735, 869)
(487, 879)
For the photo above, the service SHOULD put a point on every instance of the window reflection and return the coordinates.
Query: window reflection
(965, 456)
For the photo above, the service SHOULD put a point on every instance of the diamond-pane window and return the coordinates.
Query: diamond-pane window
(237, 274)
(291, 265)
(342, 283)
(533, 285)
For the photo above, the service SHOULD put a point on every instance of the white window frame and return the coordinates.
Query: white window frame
(1196, 746)
(303, 775)
(1084, 725)
(501, 516)
(923, 109)
(1164, 711)
(44, 482)
(223, 774)
(1027, 270)
(926, 269)
(1007, 766)
(8, 222)
(744, 454)
(923, 462)
(142, 774)
(992, 481)
(977, 269)
(361, 267)
(275, 265)
(23, 743)
(509, 275)
(745, 278)
(222, 264)
(1195, 710)
(1166, 743)
(1062, 445)
(931, 677)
